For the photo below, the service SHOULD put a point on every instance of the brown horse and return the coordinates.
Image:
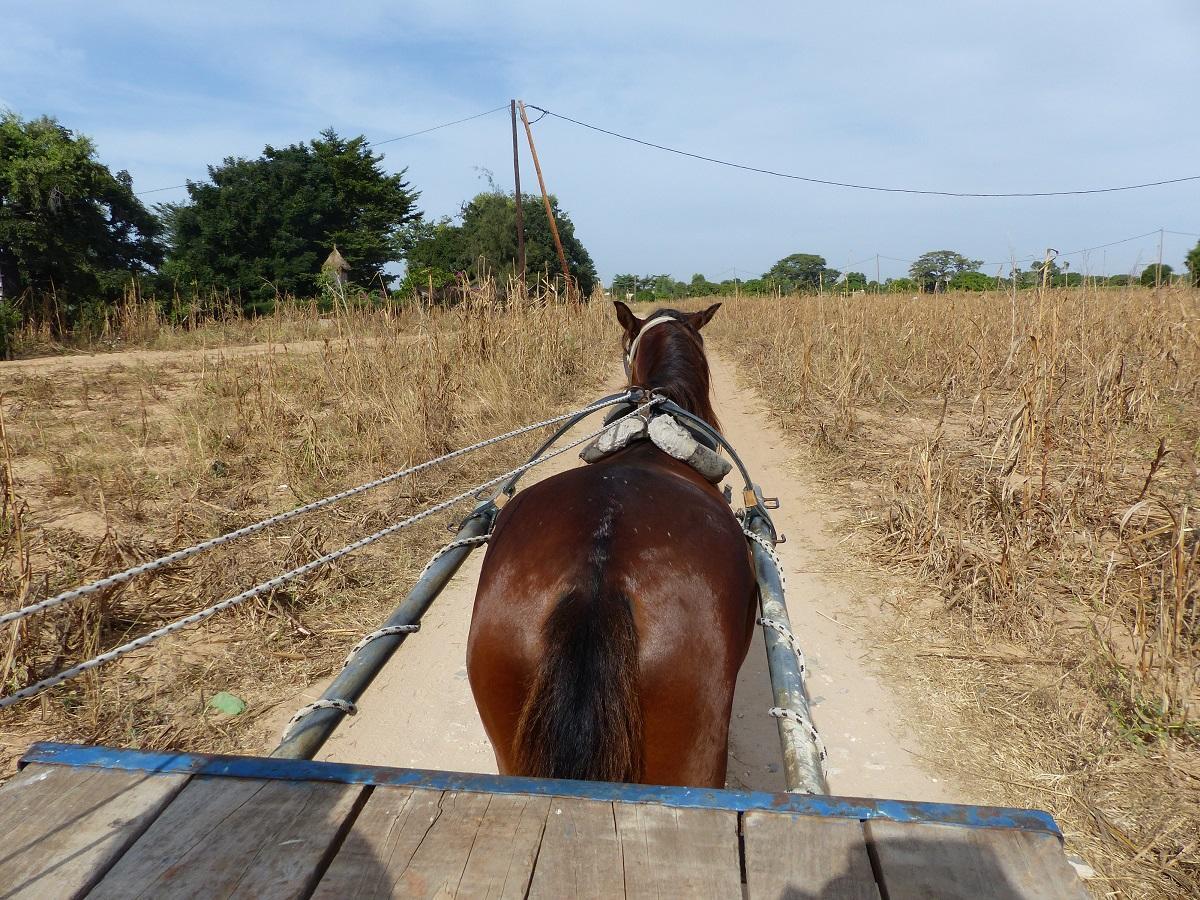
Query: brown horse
(617, 601)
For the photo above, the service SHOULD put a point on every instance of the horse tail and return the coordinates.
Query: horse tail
(583, 717)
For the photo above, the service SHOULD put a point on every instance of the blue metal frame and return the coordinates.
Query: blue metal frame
(49, 753)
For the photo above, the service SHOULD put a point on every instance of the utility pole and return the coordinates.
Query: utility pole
(537, 167)
(1158, 268)
(878, 283)
(1050, 254)
(512, 108)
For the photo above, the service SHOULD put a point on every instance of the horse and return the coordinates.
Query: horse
(617, 600)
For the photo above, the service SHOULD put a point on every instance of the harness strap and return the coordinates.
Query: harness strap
(633, 346)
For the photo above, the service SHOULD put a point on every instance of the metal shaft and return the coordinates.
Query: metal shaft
(311, 732)
(802, 767)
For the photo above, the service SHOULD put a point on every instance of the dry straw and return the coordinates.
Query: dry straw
(1032, 459)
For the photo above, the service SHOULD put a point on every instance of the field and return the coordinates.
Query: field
(112, 459)
(1026, 470)
(1018, 477)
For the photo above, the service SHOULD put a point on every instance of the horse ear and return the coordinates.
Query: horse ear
(631, 323)
(700, 319)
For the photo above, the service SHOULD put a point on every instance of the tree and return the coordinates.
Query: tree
(800, 272)
(1193, 265)
(624, 285)
(67, 224)
(262, 227)
(972, 281)
(854, 281)
(700, 286)
(937, 267)
(485, 242)
(900, 285)
(1156, 274)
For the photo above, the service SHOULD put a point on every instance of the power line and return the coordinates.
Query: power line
(402, 137)
(436, 127)
(862, 187)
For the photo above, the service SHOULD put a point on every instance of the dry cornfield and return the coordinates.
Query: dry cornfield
(1026, 467)
(114, 459)
(1029, 465)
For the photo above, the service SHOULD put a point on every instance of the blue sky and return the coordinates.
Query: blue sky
(946, 95)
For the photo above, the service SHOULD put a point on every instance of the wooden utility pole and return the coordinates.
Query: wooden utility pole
(537, 167)
(1050, 254)
(512, 108)
(878, 283)
(1158, 268)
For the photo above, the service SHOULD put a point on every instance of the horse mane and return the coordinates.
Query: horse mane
(677, 366)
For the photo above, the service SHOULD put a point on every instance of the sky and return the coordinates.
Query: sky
(955, 95)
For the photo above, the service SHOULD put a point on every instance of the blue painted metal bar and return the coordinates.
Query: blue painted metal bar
(693, 798)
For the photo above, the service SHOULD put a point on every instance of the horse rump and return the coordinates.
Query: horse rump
(582, 719)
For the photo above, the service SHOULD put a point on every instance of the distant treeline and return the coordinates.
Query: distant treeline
(320, 219)
(74, 235)
(932, 272)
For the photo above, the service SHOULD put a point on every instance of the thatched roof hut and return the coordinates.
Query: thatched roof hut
(337, 264)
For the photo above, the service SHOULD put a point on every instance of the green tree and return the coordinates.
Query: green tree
(800, 272)
(1193, 265)
(1156, 274)
(624, 285)
(485, 241)
(854, 281)
(262, 227)
(900, 285)
(972, 281)
(937, 267)
(700, 286)
(67, 224)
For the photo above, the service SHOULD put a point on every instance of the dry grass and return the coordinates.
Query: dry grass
(105, 467)
(1030, 462)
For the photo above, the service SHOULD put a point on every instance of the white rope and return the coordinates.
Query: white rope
(780, 712)
(344, 705)
(377, 634)
(770, 548)
(267, 586)
(786, 633)
(461, 542)
(187, 552)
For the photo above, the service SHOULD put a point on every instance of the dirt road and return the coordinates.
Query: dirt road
(128, 359)
(420, 713)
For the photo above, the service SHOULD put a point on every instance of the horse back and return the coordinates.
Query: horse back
(627, 582)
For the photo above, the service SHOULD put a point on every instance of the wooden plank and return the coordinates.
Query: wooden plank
(506, 848)
(806, 856)
(668, 852)
(919, 861)
(580, 854)
(413, 843)
(382, 841)
(438, 864)
(235, 837)
(63, 827)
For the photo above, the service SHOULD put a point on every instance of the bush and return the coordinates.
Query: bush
(10, 324)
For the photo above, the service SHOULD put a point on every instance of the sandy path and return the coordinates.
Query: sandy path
(420, 713)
